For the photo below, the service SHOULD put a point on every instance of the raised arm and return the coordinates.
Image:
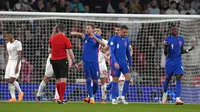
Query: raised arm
(78, 34)
(100, 41)
(183, 51)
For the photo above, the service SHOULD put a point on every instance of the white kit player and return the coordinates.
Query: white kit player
(48, 74)
(13, 66)
(102, 67)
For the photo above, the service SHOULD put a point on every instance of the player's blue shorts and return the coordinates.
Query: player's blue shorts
(123, 68)
(174, 68)
(91, 70)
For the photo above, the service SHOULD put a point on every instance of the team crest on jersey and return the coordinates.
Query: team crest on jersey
(125, 43)
(180, 43)
(94, 41)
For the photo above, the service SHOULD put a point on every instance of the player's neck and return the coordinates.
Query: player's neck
(11, 41)
(175, 36)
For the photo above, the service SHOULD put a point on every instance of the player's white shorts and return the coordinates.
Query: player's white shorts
(103, 70)
(10, 69)
(48, 69)
(121, 78)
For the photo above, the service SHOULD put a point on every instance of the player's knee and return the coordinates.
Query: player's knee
(115, 79)
(127, 76)
(178, 77)
(46, 79)
(11, 80)
(88, 81)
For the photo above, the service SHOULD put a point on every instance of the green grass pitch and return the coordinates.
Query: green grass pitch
(83, 107)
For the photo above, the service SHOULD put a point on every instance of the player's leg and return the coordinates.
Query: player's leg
(11, 87)
(115, 88)
(178, 71)
(48, 75)
(127, 75)
(64, 74)
(56, 97)
(103, 74)
(41, 87)
(87, 72)
(13, 77)
(103, 89)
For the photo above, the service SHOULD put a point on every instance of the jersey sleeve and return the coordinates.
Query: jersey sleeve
(68, 43)
(99, 37)
(19, 46)
(112, 50)
(109, 40)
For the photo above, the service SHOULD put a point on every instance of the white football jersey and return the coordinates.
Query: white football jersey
(101, 57)
(12, 49)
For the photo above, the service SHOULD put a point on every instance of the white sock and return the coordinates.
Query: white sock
(16, 84)
(11, 88)
(41, 87)
(56, 94)
(103, 88)
(121, 85)
(177, 98)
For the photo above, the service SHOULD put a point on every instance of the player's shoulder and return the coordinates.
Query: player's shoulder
(104, 40)
(181, 37)
(168, 38)
(98, 36)
(17, 42)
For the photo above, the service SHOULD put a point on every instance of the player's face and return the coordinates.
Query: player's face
(9, 37)
(123, 32)
(174, 31)
(89, 29)
(98, 31)
(117, 30)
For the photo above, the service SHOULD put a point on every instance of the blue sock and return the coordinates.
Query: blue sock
(109, 86)
(165, 86)
(178, 88)
(95, 87)
(89, 87)
(125, 88)
(117, 91)
(114, 90)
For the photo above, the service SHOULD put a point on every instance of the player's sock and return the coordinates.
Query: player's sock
(109, 85)
(121, 88)
(165, 86)
(103, 87)
(117, 91)
(114, 90)
(58, 86)
(56, 94)
(41, 87)
(95, 87)
(125, 88)
(89, 87)
(11, 88)
(16, 84)
(178, 88)
(63, 88)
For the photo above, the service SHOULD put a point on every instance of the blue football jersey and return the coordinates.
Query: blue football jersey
(120, 49)
(174, 48)
(90, 48)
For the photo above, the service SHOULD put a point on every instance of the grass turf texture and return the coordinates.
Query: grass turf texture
(83, 107)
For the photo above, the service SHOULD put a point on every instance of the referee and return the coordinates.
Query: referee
(60, 46)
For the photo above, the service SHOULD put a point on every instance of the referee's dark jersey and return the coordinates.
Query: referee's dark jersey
(59, 43)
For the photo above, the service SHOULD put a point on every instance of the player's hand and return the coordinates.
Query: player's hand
(129, 67)
(76, 66)
(54, 29)
(165, 43)
(16, 69)
(92, 35)
(116, 65)
(70, 65)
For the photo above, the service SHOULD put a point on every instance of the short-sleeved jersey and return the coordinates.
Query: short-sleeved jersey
(174, 48)
(119, 47)
(59, 43)
(13, 48)
(90, 48)
(101, 55)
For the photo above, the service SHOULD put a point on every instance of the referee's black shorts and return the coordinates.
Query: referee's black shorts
(60, 68)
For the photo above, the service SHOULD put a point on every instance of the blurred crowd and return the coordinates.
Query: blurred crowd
(104, 6)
